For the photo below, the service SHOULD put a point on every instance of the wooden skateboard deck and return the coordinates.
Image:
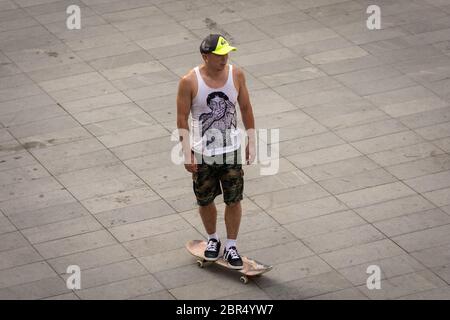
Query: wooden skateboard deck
(251, 268)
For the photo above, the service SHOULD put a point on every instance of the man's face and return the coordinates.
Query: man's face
(215, 61)
(218, 107)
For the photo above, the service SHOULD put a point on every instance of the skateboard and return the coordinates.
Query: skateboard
(251, 268)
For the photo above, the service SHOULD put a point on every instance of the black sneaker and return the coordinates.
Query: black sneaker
(212, 250)
(233, 258)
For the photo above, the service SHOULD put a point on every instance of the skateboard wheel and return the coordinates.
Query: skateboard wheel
(200, 263)
(244, 279)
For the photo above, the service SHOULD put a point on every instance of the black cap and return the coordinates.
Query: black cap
(215, 43)
(209, 44)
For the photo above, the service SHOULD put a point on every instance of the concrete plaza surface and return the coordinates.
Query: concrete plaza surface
(86, 179)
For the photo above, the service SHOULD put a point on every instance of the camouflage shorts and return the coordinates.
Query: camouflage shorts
(211, 178)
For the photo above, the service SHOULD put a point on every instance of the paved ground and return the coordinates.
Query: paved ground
(85, 123)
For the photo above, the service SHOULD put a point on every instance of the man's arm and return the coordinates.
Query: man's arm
(247, 115)
(183, 109)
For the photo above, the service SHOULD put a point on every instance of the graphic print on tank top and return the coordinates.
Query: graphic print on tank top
(219, 121)
(214, 117)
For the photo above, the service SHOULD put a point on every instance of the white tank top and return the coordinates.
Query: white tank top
(214, 121)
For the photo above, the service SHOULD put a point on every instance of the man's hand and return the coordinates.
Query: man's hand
(250, 153)
(192, 165)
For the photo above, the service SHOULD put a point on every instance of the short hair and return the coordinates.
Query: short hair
(214, 94)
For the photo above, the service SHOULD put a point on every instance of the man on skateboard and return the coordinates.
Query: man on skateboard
(209, 93)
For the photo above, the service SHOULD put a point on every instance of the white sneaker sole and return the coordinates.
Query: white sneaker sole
(235, 267)
(211, 259)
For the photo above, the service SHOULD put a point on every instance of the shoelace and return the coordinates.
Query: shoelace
(233, 253)
(212, 246)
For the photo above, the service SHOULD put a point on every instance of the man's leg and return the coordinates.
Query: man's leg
(233, 186)
(233, 214)
(206, 188)
(208, 214)
(209, 217)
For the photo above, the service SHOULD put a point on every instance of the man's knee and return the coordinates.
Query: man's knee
(206, 205)
(233, 204)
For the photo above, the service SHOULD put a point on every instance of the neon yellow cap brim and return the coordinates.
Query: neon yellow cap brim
(224, 50)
